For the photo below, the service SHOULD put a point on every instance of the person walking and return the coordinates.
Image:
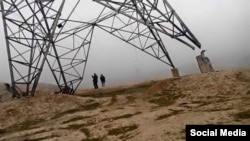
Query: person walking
(102, 78)
(95, 80)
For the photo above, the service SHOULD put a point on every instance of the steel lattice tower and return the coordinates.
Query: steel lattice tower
(36, 33)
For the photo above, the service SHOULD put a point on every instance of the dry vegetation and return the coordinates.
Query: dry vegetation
(154, 110)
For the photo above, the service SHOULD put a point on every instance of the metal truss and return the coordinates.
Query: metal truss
(40, 31)
(135, 34)
(72, 47)
(37, 32)
(157, 15)
(29, 35)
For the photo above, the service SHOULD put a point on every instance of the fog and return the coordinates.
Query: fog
(221, 26)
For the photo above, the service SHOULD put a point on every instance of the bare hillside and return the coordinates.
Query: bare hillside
(149, 111)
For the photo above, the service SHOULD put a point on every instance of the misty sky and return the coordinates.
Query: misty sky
(221, 26)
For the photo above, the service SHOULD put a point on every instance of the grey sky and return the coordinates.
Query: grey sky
(222, 27)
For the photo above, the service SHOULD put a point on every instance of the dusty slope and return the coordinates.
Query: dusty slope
(155, 110)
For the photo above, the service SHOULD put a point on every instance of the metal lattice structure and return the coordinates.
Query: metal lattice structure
(41, 31)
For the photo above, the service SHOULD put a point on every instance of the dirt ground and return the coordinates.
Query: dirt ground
(156, 110)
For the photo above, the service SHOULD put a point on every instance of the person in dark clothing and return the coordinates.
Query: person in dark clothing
(95, 80)
(204, 58)
(102, 78)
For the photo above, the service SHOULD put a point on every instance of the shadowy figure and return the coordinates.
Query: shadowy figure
(5, 91)
(7, 87)
(95, 80)
(206, 61)
(204, 58)
(102, 78)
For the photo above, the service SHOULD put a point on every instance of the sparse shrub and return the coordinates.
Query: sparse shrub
(130, 99)
(94, 139)
(126, 116)
(240, 76)
(122, 130)
(76, 119)
(163, 116)
(183, 131)
(2, 131)
(175, 112)
(42, 138)
(87, 107)
(168, 96)
(89, 101)
(242, 115)
(28, 124)
(113, 100)
(161, 101)
(75, 126)
(12, 112)
(85, 131)
(41, 131)
(121, 117)
(91, 106)
(58, 115)
(104, 110)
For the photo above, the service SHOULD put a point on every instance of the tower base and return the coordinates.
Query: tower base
(204, 64)
(175, 72)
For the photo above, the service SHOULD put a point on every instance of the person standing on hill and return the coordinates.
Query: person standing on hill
(102, 78)
(95, 80)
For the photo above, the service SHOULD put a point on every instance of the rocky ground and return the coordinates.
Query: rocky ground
(150, 111)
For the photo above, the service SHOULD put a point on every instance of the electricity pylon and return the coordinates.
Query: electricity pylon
(140, 23)
(41, 31)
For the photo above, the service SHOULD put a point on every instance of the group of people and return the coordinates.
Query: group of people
(95, 80)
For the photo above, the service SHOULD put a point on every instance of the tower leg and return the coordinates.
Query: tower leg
(175, 72)
(204, 64)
